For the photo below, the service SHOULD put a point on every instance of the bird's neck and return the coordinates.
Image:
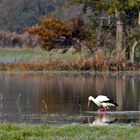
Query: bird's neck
(92, 99)
(95, 101)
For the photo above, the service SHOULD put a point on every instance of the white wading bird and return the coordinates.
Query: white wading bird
(102, 101)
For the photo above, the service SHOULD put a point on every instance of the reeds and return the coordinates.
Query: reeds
(60, 65)
(50, 61)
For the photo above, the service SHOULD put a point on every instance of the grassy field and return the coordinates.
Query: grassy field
(36, 56)
(68, 132)
(54, 54)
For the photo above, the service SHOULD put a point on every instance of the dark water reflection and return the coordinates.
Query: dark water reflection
(62, 97)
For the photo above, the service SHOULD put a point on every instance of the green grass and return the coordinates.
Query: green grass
(68, 132)
(7, 55)
(16, 53)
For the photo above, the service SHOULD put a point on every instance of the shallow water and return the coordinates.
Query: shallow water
(61, 97)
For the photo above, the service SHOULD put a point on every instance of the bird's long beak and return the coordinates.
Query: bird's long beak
(88, 103)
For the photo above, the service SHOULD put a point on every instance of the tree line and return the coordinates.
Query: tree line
(111, 25)
(15, 15)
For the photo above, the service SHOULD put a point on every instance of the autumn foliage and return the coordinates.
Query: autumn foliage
(53, 33)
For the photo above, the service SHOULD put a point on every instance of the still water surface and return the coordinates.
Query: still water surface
(61, 97)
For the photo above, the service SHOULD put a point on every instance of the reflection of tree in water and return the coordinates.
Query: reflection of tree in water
(126, 93)
(69, 92)
(63, 92)
(134, 88)
(120, 93)
(100, 84)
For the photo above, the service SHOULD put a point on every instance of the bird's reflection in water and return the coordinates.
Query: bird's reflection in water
(101, 119)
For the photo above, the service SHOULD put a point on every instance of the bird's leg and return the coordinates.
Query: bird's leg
(106, 108)
(103, 109)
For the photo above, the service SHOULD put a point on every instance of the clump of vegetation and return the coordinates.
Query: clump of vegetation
(53, 33)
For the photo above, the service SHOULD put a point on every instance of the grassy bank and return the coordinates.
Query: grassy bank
(68, 132)
(39, 60)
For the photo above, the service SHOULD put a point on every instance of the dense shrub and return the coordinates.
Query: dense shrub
(53, 33)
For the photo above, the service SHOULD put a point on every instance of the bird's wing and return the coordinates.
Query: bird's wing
(102, 98)
(111, 102)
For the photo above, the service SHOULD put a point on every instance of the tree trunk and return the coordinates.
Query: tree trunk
(99, 32)
(139, 19)
(120, 93)
(119, 35)
(132, 53)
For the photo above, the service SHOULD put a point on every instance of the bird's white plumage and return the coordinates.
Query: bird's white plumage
(102, 98)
